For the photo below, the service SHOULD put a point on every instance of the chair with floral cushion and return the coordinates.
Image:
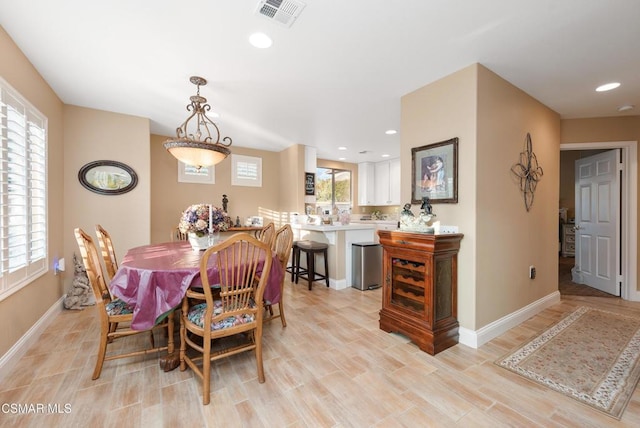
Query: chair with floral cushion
(267, 234)
(230, 323)
(107, 250)
(282, 246)
(113, 312)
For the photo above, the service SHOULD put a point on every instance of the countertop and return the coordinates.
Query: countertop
(334, 227)
(375, 221)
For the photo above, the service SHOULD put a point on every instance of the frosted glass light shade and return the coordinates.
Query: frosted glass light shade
(196, 153)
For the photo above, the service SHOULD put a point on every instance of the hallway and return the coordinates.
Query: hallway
(569, 288)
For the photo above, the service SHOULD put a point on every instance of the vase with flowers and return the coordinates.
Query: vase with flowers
(203, 223)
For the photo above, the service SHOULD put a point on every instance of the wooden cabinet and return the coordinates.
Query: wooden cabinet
(420, 282)
(568, 240)
(365, 184)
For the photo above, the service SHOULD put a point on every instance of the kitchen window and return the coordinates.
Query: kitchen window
(23, 191)
(333, 188)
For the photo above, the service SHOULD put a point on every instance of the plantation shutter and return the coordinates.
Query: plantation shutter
(246, 171)
(23, 192)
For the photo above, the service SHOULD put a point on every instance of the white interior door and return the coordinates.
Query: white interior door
(597, 212)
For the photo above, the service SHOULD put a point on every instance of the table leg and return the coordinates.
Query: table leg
(170, 362)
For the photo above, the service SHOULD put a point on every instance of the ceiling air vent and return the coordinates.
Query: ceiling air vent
(284, 12)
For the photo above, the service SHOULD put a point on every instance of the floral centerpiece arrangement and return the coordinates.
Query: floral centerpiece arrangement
(201, 219)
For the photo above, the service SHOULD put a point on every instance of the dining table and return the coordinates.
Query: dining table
(153, 279)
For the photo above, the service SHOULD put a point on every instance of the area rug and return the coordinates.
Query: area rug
(591, 355)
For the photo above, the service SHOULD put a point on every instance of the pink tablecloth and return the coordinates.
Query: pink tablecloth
(154, 278)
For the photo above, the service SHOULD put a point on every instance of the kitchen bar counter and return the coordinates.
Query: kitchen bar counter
(339, 237)
(333, 227)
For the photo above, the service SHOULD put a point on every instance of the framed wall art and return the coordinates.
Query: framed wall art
(434, 172)
(309, 183)
(107, 177)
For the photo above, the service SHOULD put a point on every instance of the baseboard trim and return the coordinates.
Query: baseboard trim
(477, 338)
(13, 355)
(337, 284)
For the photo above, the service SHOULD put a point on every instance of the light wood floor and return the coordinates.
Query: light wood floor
(330, 367)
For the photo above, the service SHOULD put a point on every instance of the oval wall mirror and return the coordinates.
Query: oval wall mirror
(107, 177)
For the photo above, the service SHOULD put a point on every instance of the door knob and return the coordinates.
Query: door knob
(576, 227)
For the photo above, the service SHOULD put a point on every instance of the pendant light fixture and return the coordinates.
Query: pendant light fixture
(197, 140)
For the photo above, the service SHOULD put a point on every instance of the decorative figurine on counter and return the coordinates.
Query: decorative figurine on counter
(426, 206)
(421, 223)
(406, 210)
(238, 222)
(225, 201)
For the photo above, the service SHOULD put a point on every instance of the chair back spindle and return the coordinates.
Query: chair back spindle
(108, 251)
(267, 234)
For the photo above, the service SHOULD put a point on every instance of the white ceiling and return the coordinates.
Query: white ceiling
(336, 76)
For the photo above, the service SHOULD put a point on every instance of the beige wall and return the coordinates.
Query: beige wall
(20, 311)
(92, 135)
(292, 179)
(491, 118)
(169, 198)
(509, 239)
(434, 113)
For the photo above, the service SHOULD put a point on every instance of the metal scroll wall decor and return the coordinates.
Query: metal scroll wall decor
(528, 172)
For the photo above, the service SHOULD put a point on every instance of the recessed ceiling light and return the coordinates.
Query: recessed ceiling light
(607, 86)
(391, 132)
(260, 40)
(385, 155)
(342, 158)
(342, 148)
(626, 107)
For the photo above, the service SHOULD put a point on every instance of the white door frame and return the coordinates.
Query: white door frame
(628, 221)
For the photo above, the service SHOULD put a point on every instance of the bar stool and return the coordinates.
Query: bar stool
(295, 261)
(311, 249)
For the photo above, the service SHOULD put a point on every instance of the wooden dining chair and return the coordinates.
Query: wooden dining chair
(239, 268)
(113, 312)
(267, 234)
(176, 235)
(108, 251)
(282, 247)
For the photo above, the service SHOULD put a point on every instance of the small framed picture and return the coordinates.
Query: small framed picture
(309, 183)
(434, 172)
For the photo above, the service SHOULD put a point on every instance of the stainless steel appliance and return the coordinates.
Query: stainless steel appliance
(366, 271)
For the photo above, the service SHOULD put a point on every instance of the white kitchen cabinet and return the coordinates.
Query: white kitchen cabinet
(365, 184)
(387, 182)
(381, 183)
(394, 182)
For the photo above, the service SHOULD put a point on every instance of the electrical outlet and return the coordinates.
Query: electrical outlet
(532, 272)
(58, 266)
(448, 229)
